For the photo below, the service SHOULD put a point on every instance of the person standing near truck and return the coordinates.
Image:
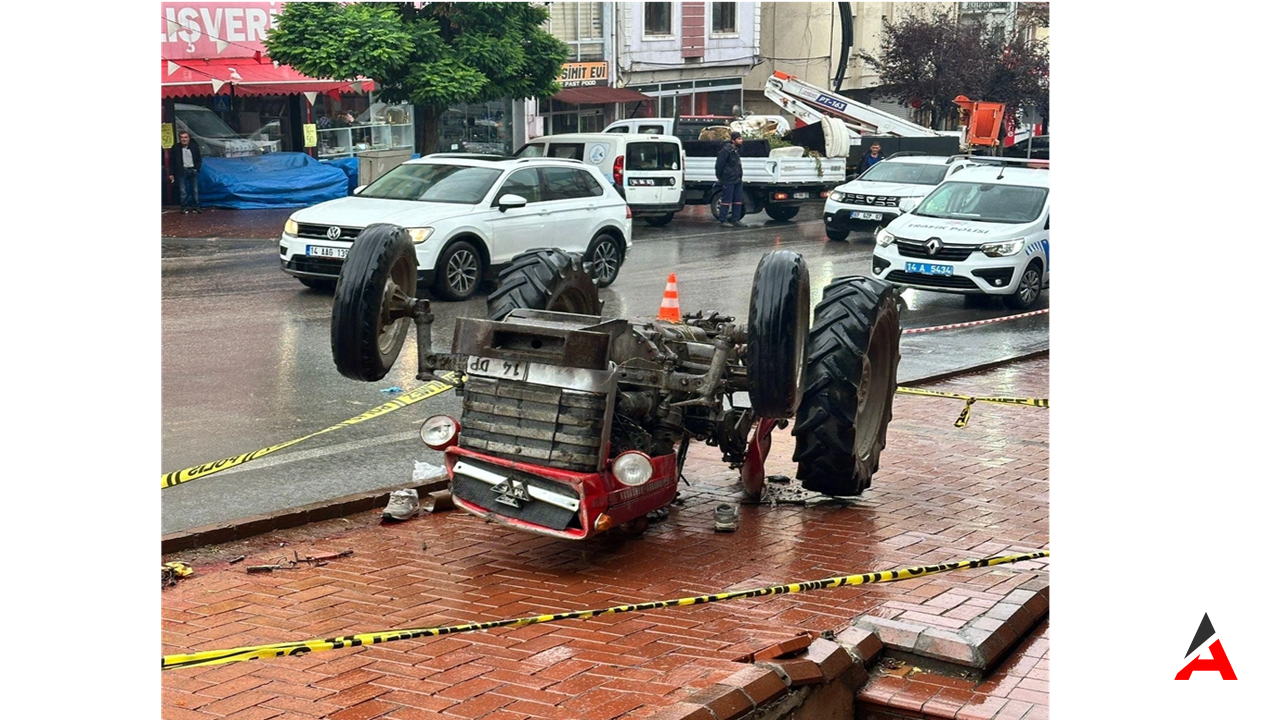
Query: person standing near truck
(871, 157)
(729, 175)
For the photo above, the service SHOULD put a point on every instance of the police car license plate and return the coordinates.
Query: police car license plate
(867, 216)
(319, 251)
(929, 269)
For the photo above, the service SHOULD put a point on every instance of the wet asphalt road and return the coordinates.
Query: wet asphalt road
(246, 361)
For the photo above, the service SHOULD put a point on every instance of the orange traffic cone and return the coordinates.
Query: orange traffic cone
(670, 310)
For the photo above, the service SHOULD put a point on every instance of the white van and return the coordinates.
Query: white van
(215, 137)
(646, 170)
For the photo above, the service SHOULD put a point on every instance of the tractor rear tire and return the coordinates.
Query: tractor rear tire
(849, 382)
(776, 331)
(376, 282)
(545, 279)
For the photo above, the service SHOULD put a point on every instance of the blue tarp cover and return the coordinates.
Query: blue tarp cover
(350, 166)
(274, 180)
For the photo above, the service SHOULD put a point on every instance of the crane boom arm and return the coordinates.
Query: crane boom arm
(810, 103)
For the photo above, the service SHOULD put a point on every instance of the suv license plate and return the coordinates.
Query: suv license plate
(868, 216)
(928, 269)
(800, 196)
(320, 251)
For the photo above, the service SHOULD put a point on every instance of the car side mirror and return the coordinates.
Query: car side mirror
(906, 205)
(510, 201)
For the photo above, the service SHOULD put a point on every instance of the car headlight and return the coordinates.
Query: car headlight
(884, 239)
(837, 196)
(632, 468)
(420, 235)
(291, 227)
(439, 432)
(1002, 249)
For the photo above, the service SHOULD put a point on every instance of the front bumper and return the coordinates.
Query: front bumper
(550, 501)
(971, 273)
(841, 217)
(295, 261)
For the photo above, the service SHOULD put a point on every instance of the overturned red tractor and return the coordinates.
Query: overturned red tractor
(574, 422)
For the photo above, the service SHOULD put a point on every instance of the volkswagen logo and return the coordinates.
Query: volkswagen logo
(335, 232)
(932, 246)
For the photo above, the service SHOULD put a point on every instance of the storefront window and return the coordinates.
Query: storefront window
(478, 127)
(668, 98)
(351, 125)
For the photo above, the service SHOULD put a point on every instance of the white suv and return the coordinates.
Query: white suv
(871, 201)
(984, 231)
(468, 216)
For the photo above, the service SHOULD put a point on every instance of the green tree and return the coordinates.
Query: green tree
(432, 55)
(926, 61)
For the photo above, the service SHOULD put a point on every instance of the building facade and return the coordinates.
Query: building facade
(805, 40)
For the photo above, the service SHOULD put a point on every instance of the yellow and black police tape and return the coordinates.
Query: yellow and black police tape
(969, 400)
(447, 381)
(256, 652)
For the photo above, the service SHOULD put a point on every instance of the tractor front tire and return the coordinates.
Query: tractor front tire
(849, 382)
(371, 302)
(777, 327)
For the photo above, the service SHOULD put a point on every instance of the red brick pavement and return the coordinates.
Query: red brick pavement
(942, 494)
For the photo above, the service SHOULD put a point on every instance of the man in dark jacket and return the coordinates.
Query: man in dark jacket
(729, 175)
(869, 158)
(184, 164)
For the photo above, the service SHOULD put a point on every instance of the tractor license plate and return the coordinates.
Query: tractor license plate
(800, 196)
(868, 216)
(929, 269)
(501, 369)
(318, 251)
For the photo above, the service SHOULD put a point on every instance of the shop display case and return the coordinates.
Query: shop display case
(391, 128)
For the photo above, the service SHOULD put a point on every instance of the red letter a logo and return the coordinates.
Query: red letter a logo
(1218, 661)
(1219, 664)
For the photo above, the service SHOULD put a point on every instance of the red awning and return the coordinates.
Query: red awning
(185, 78)
(598, 95)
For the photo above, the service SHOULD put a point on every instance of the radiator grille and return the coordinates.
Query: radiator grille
(533, 423)
(321, 232)
(915, 249)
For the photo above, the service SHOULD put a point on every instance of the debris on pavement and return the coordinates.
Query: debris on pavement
(426, 471)
(171, 572)
(392, 390)
(284, 563)
(402, 505)
(438, 501)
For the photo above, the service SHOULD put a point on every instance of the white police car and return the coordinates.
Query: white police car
(983, 231)
(871, 201)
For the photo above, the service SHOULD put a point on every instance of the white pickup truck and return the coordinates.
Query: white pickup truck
(771, 182)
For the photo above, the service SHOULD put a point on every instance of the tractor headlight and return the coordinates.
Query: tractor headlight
(1002, 249)
(884, 239)
(439, 432)
(633, 468)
